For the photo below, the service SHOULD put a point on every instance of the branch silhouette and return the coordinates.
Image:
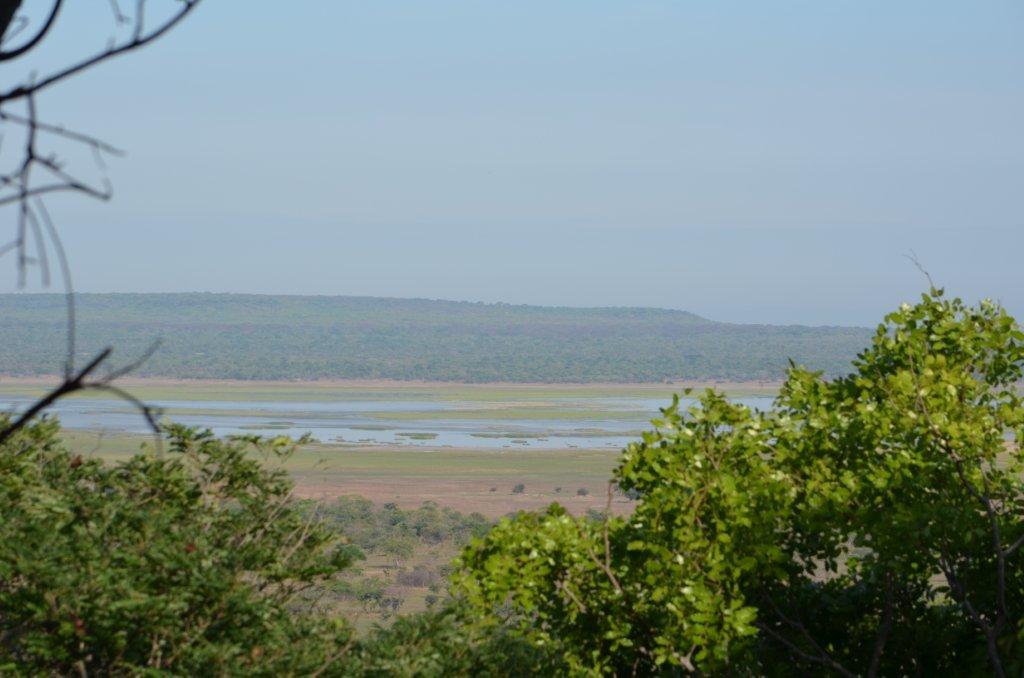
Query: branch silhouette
(37, 174)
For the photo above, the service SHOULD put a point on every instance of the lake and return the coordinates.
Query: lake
(551, 423)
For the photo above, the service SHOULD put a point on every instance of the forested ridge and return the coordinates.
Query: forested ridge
(244, 336)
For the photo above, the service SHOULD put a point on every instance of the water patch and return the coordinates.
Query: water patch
(585, 423)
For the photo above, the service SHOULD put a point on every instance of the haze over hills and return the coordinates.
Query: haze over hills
(241, 336)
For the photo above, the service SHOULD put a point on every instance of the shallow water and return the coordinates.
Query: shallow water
(597, 422)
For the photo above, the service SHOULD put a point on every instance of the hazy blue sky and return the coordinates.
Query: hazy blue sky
(748, 161)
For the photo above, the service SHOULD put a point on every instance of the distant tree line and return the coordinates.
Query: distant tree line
(280, 337)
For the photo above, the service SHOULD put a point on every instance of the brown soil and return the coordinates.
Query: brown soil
(462, 495)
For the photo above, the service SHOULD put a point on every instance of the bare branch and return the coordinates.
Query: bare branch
(69, 290)
(76, 383)
(137, 41)
(32, 216)
(15, 53)
(37, 232)
(960, 595)
(822, 657)
(7, 11)
(1012, 548)
(119, 16)
(134, 365)
(104, 194)
(150, 413)
(884, 628)
(64, 132)
(912, 257)
(795, 649)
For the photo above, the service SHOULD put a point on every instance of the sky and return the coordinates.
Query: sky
(746, 161)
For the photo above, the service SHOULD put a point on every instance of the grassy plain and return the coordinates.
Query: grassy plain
(465, 479)
(460, 478)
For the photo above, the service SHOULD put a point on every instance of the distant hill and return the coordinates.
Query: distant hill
(242, 336)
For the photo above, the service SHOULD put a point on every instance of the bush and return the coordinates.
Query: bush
(420, 576)
(185, 563)
(443, 642)
(582, 492)
(519, 489)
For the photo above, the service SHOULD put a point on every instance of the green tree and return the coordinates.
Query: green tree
(867, 525)
(191, 562)
(443, 643)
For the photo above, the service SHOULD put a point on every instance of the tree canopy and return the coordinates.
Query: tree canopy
(866, 525)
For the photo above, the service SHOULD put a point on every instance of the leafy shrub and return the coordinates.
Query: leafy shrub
(519, 488)
(443, 642)
(582, 492)
(188, 563)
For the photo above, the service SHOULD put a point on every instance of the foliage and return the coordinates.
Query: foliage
(391, 530)
(428, 534)
(188, 562)
(234, 336)
(444, 643)
(868, 525)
